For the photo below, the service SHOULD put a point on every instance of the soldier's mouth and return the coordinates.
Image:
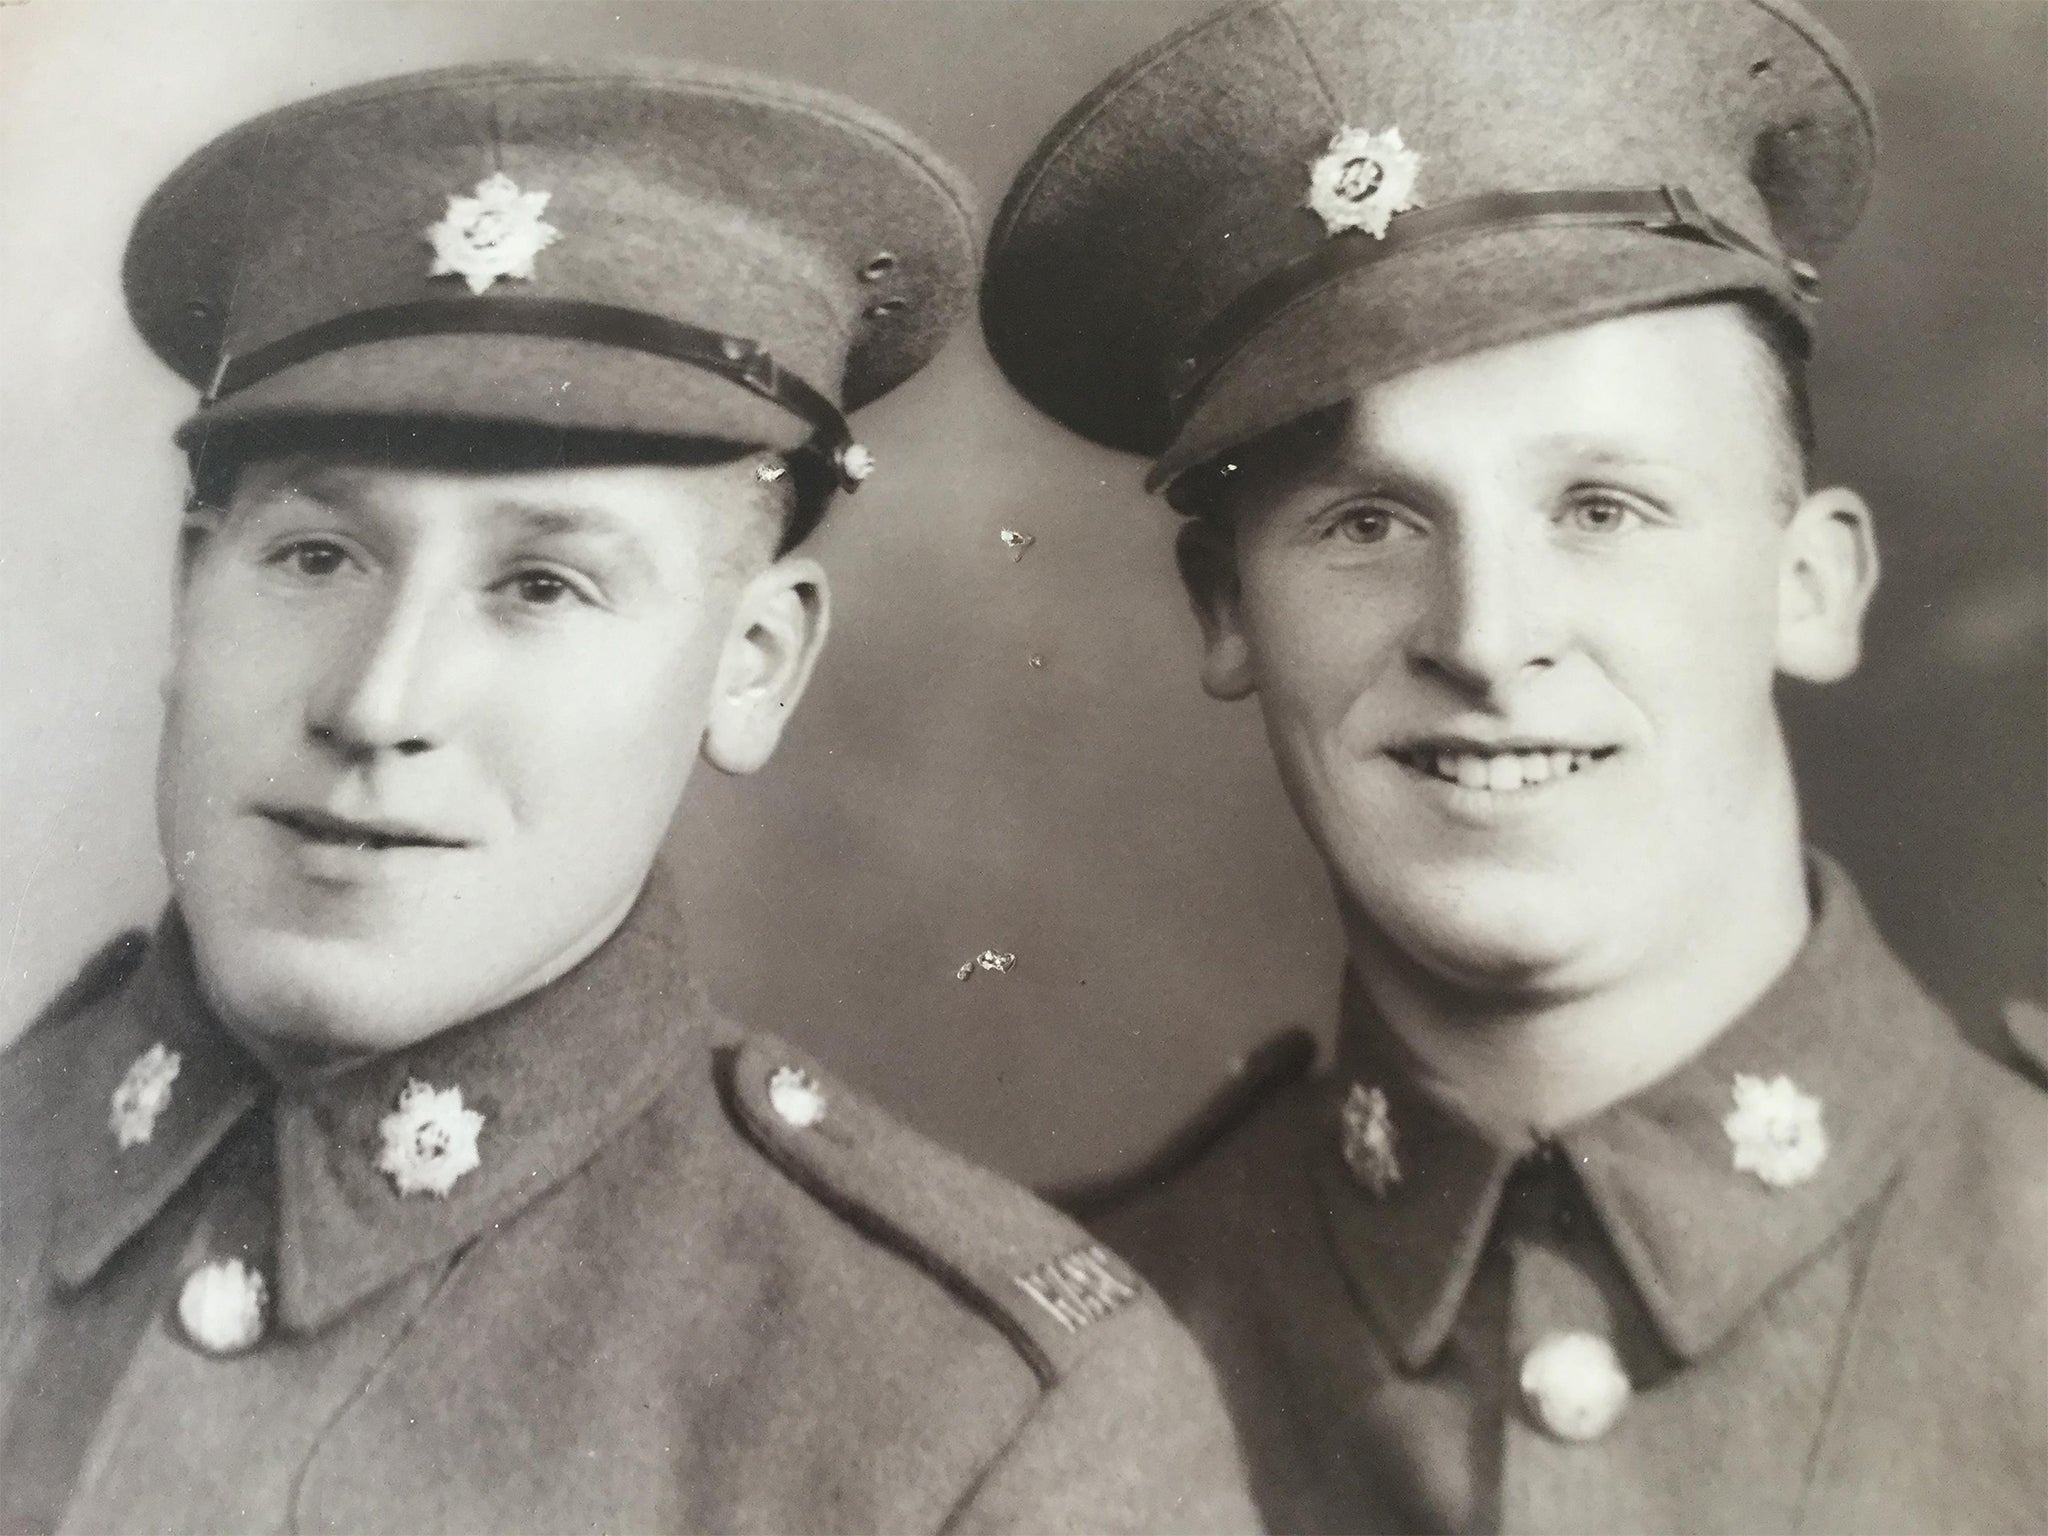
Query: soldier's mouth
(319, 827)
(1498, 770)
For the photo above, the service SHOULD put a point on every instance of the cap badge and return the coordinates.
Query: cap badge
(1368, 1142)
(429, 1140)
(494, 232)
(1776, 1131)
(1362, 180)
(143, 1094)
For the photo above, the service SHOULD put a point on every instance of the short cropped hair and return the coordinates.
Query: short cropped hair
(1786, 348)
(803, 491)
(1201, 492)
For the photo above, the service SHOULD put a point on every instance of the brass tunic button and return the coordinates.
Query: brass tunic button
(795, 1096)
(224, 1307)
(1574, 1385)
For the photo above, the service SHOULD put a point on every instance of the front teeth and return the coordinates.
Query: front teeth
(1499, 772)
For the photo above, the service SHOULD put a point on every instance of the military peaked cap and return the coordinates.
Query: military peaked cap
(660, 249)
(1293, 199)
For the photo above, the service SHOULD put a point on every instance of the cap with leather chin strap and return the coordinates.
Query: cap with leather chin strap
(1292, 200)
(659, 250)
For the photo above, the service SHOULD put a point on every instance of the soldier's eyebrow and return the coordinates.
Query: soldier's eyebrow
(551, 519)
(583, 524)
(1598, 453)
(292, 477)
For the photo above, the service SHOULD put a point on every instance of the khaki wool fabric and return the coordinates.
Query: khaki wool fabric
(1419, 1328)
(1860, 1352)
(690, 1282)
(655, 1305)
(1183, 180)
(744, 205)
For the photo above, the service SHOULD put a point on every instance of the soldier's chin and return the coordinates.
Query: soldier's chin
(1513, 937)
(299, 1000)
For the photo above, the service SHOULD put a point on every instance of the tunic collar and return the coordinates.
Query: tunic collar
(555, 1075)
(1701, 1240)
(111, 1192)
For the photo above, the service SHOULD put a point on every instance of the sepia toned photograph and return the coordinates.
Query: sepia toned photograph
(1023, 765)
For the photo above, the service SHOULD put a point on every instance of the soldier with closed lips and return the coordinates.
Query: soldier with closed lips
(403, 1179)
(1646, 1190)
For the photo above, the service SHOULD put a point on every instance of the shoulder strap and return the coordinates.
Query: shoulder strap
(1049, 1287)
(103, 973)
(1256, 1077)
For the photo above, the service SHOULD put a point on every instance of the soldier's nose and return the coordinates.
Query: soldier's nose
(386, 692)
(1489, 616)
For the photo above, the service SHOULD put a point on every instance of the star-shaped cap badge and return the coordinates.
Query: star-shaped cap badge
(1362, 180)
(494, 232)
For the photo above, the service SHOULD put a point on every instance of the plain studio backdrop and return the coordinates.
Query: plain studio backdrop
(941, 793)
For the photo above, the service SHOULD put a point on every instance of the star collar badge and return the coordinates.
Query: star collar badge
(1776, 1131)
(1368, 1139)
(494, 232)
(429, 1140)
(143, 1094)
(1362, 180)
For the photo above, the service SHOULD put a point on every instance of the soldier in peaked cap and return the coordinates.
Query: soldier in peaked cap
(402, 1179)
(1646, 1190)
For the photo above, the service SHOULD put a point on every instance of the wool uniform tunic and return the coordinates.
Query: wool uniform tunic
(1619, 1328)
(679, 1279)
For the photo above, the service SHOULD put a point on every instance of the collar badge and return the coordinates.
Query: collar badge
(1368, 1141)
(429, 1140)
(143, 1094)
(494, 232)
(1362, 180)
(1776, 1131)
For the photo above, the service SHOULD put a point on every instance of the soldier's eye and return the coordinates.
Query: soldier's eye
(1600, 514)
(311, 558)
(1365, 524)
(542, 588)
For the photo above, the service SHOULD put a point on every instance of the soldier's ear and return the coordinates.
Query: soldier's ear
(778, 628)
(1206, 552)
(1827, 573)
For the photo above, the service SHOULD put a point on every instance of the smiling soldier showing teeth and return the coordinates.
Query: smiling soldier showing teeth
(404, 1180)
(1646, 1191)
